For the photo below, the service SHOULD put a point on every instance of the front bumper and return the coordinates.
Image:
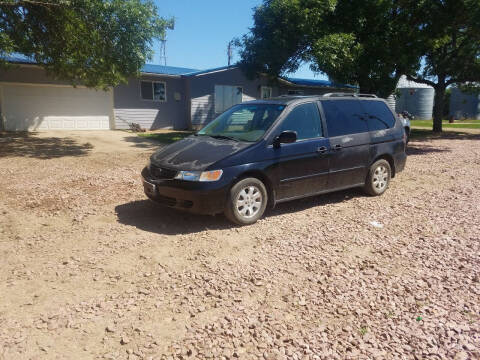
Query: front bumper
(196, 197)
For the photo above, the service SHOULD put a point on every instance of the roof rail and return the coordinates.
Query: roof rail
(341, 94)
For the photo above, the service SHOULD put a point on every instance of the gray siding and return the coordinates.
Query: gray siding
(464, 106)
(202, 88)
(129, 107)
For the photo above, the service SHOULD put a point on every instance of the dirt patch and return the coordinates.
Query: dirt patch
(90, 269)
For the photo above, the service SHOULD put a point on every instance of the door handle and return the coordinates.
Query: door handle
(322, 149)
(337, 147)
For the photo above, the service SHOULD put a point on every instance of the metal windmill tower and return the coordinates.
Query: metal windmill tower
(163, 50)
(163, 44)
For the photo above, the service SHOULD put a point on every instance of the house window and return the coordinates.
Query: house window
(227, 96)
(265, 92)
(296, 92)
(153, 90)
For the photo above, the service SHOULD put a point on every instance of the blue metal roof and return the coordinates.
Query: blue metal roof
(200, 72)
(19, 58)
(317, 83)
(181, 71)
(147, 68)
(166, 70)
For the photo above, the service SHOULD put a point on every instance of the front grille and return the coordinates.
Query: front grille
(162, 173)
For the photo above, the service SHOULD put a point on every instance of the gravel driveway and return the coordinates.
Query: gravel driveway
(90, 269)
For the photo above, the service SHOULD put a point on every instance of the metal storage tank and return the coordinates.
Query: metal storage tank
(464, 105)
(415, 98)
(391, 101)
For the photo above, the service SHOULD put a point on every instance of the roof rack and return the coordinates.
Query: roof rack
(340, 94)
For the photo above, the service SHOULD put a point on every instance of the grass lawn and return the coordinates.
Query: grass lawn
(458, 124)
(166, 137)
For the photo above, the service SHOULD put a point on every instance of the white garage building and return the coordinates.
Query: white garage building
(54, 107)
(30, 100)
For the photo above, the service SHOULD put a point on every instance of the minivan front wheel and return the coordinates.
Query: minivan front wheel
(378, 178)
(247, 201)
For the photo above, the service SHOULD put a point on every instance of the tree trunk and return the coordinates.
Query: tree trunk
(438, 107)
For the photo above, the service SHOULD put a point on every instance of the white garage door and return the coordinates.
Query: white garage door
(53, 107)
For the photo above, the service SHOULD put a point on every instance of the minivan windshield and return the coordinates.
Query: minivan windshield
(243, 122)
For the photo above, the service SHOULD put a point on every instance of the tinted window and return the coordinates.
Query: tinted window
(344, 117)
(153, 90)
(304, 120)
(379, 116)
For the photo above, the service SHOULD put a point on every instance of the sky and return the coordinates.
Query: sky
(203, 30)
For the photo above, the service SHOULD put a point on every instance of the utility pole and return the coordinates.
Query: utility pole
(230, 52)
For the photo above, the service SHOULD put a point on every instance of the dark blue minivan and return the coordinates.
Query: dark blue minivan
(263, 152)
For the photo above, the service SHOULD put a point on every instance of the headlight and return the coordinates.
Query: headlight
(213, 175)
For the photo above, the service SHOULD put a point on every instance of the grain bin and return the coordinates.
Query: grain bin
(391, 101)
(464, 105)
(415, 98)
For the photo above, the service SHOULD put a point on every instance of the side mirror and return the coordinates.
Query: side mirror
(286, 137)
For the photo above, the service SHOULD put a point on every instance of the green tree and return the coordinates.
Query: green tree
(353, 41)
(97, 43)
(449, 34)
(370, 42)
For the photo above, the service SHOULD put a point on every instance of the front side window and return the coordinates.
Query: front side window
(244, 122)
(153, 90)
(344, 117)
(379, 116)
(305, 120)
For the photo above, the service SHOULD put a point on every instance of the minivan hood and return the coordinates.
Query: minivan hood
(196, 152)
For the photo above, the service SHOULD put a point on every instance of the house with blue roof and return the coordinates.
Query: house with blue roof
(163, 97)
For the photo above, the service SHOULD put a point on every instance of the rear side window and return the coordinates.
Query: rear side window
(305, 121)
(379, 116)
(344, 117)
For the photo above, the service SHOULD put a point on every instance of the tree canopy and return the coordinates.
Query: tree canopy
(370, 43)
(97, 43)
(352, 41)
(449, 31)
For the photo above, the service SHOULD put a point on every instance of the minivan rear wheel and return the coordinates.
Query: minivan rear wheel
(378, 178)
(246, 202)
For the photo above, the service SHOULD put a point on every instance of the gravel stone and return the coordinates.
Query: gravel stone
(85, 256)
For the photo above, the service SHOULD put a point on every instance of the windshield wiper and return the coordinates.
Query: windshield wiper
(223, 137)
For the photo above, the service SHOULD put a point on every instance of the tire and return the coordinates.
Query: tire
(378, 178)
(252, 193)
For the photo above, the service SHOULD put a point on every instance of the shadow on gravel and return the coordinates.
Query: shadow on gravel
(314, 201)
(23, 144)
(413, 149)
(148, 216)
